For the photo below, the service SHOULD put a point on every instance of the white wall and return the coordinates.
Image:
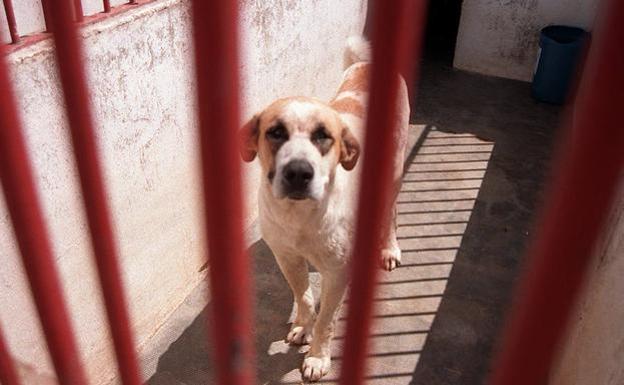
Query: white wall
(501, 37)
(143, 97)
(593, 352)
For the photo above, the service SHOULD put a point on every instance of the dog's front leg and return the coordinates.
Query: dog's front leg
(318, 360)
(295, 270)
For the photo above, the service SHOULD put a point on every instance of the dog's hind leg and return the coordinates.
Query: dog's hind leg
(318, 360)
(295, 270)
(391, 252)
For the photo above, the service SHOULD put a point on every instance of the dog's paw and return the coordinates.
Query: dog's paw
(314, 368)
(299, 334)
(390, 258)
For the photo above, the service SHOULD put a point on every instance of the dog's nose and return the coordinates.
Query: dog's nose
(298, 174)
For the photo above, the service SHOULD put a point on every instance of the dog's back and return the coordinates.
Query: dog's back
(352, 97)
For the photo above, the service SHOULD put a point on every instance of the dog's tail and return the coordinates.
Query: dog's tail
(358, 50)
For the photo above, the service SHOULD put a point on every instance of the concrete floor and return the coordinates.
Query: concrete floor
(472, 184)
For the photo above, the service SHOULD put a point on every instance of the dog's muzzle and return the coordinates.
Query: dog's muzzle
(296, 177)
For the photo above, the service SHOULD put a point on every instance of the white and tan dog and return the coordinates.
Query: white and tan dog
(308, 150)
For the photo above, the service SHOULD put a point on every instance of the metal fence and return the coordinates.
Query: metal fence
(589, 163)
(75, 7)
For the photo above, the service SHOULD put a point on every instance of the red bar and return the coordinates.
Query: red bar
(8, 375)
(395, 25)
(216, 63)
(107, 7)
(32, 237)
(578, 203)
(78, 13)
(10, 15)
(69, 53)
(45, 5)
(132, 2)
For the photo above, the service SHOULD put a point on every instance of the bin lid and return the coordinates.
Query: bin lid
(562, 34)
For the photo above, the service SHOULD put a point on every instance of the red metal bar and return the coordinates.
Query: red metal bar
(216, 63)
(45, 5)
(8, 375)
(10, 15)
(70, 62)
(32, 237)
(132, 2)
(107, 6)
(579, 200)
(394, 28)
(78, 13)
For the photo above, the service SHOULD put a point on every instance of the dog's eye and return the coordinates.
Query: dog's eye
(320, 135)
(277, 133)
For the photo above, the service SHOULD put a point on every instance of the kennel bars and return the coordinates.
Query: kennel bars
(577, 204)
(46, 6)
(8, 375)
(12, 24)
(394, 43)
(216, 61)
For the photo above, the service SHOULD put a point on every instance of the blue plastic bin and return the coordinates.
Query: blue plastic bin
(560, 51)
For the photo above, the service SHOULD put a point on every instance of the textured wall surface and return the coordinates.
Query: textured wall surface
(593, 351)
(143, 99)
(501, 37)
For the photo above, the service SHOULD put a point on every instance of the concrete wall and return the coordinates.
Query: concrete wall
(501, 37)
(143, 97)
(593, 351)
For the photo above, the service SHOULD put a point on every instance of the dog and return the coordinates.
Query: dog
(309, 150)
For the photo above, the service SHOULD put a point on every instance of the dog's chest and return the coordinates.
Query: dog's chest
(322, 238)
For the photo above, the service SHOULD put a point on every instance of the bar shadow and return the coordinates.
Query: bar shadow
(434, 316)
(430, 230)
(461, 342)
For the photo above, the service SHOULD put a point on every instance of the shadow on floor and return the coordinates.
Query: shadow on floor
(463, 336)
(442, 178)
(189, 359)
(466, 210)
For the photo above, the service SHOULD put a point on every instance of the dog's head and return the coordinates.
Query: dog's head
(300, 142)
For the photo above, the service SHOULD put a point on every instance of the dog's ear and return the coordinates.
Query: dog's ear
(248, 139)
(349, 150)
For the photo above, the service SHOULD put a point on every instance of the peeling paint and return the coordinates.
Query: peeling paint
(501, 37)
